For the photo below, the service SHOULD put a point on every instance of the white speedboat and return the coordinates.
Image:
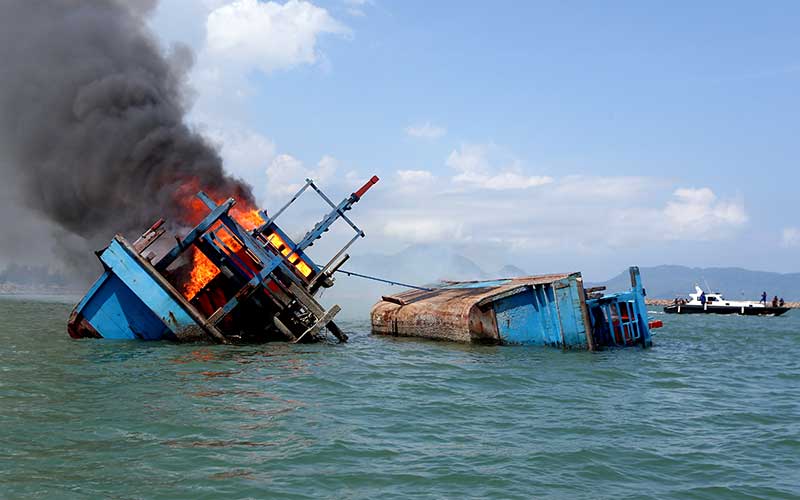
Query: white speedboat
(715, 303)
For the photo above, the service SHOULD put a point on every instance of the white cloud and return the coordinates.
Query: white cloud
(241, 37)
(356, 7)
(698, 214)
(286, 174)
(426, 131)
(605, 188)
(268, 35)
(326, 167)
(572, 215)
(353, 177)
(790, 237)
(245, 154)
(414, 179)
(423, 230)
(472, 163)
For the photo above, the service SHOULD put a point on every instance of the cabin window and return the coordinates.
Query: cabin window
(711, 299)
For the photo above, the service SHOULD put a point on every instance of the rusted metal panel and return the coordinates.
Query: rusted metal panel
(444, 322)
(483, 325)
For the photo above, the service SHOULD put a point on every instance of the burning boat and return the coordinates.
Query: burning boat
(235, 277)
(553, 310)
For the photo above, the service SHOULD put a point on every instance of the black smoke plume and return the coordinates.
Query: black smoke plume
(92, 132)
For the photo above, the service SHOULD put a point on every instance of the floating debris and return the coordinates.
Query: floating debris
(552, 310)
(235, 277)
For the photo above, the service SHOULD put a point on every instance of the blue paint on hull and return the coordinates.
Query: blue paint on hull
(128, 303)
(115, 312)
(520, 320)
(547, 314)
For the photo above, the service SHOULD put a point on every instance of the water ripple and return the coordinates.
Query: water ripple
(712, 411)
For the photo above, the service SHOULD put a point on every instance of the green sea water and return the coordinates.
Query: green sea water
(711, 411)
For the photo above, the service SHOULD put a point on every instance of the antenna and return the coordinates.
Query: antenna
(710, 290)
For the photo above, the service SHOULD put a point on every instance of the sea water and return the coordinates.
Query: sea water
(711, 411)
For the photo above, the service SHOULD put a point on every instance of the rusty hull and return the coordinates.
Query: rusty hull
(460, 311)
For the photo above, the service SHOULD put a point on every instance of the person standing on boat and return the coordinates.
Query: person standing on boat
(703, 299)
(775, 301)
(781, 302)
(764, 298)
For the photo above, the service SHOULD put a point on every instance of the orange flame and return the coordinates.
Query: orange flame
(248, 218)
(245, 214)
(203, 270)
(280, 245)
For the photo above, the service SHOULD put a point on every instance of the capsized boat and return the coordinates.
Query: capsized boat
(715, 303)
(547, 310)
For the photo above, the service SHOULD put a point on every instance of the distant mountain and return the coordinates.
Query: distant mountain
(426, 264)
(31, 276)
(667, 282)
(421, 265)
(18, 279)
(509, 271)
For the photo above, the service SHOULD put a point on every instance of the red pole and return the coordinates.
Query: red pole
(358, 194)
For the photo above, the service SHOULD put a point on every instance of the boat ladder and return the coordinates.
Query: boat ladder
(623, 322)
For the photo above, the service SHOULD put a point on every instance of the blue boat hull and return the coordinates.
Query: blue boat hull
(131, 301)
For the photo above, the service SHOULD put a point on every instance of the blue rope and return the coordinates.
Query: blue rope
(350, 273)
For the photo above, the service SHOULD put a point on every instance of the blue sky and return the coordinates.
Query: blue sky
(555, 135)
